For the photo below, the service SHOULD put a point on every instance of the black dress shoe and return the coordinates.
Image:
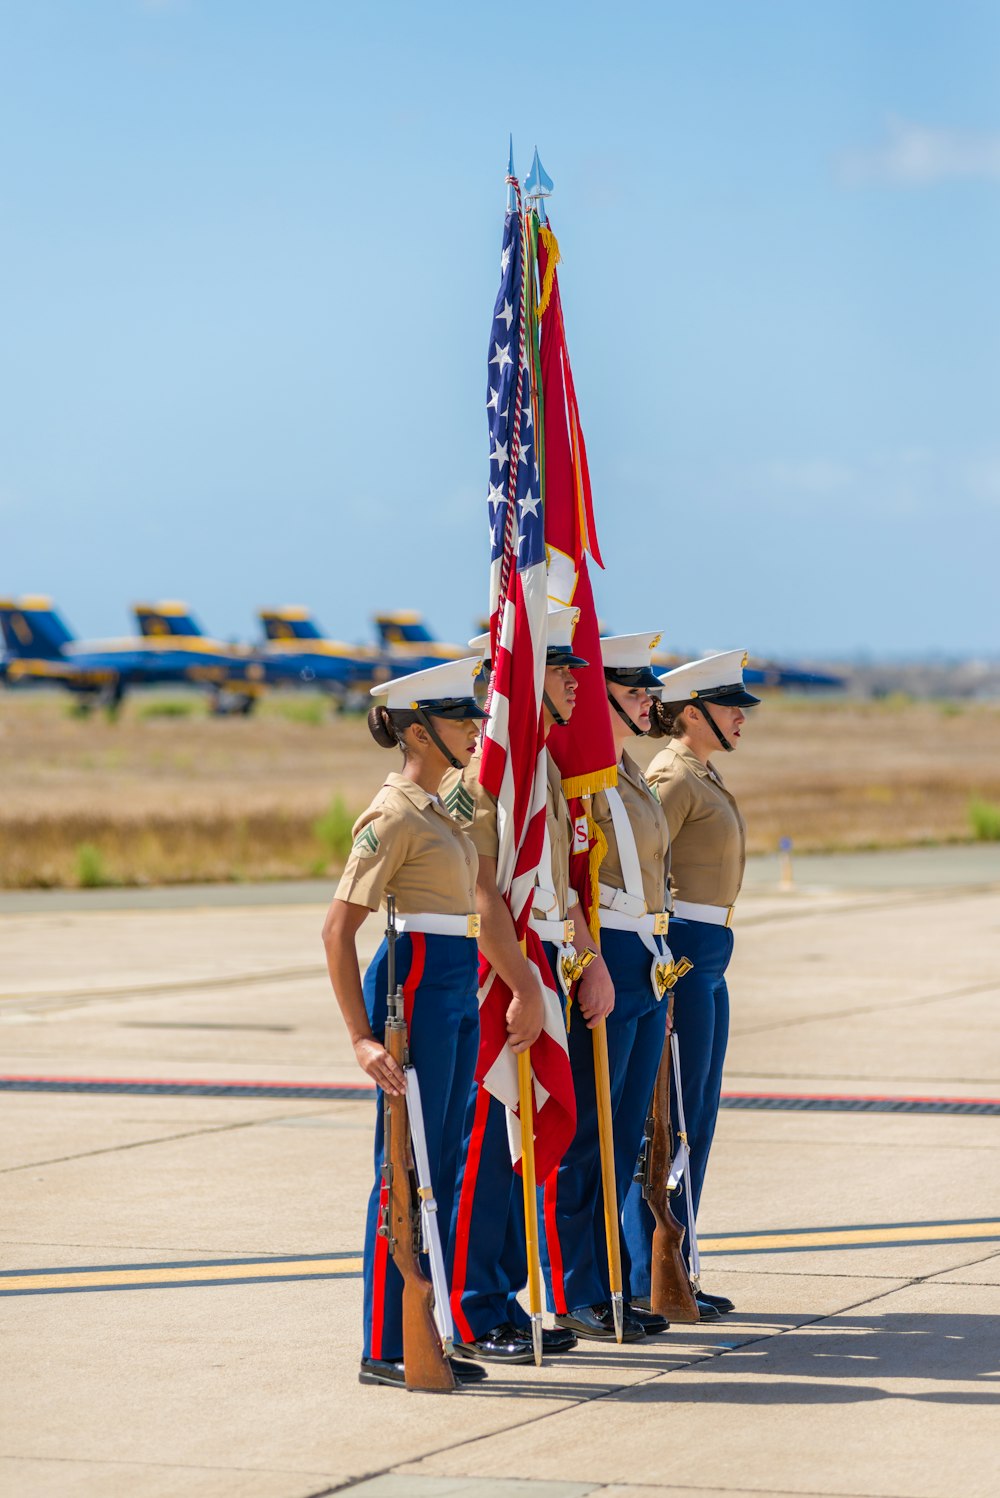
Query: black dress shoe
(378, 1371)
(597, 1323)
(722, 1303)
(501, 1344)
(556, 1339)
(706, 1310)
(651, 1322)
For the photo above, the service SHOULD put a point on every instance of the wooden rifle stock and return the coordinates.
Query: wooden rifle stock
(424, 1363)
(671, 1294)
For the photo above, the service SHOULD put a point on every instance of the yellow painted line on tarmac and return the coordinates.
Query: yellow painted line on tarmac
(132, 1277)
(885, 1235)
(274, 1269)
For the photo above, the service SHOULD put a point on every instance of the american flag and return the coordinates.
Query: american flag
(513, 762)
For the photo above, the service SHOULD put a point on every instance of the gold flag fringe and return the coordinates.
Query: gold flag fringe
(598, 848)
(551, 244)
(588, 785)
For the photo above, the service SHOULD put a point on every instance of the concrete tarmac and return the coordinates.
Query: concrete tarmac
(179, 1297)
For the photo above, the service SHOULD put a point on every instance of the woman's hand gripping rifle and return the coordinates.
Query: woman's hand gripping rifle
(671, 1294)
(410, 1215)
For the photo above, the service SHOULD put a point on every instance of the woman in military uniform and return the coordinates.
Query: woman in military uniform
(701, 711)
(488, 1264)
(407, 845)
(632, 923)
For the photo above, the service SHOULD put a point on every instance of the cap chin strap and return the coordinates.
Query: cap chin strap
(425, 722)
(703, 709)
(561, 722)
(640, 732)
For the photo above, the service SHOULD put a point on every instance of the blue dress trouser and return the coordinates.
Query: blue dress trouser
(575, 1252)
(439, 976)
(487, 1262)
(701, 1022)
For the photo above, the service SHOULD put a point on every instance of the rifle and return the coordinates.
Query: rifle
(425, 1365)
(671, 1294)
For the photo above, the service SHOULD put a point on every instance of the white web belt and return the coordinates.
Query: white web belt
(626, 910)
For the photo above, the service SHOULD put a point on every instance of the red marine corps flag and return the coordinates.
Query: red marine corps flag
(513, 762)
(583, 748)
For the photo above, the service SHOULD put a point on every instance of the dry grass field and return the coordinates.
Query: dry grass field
(156, 798)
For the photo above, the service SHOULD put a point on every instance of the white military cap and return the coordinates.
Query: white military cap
(445, 691)
(561, 624)
(627, 659)
(715, 678)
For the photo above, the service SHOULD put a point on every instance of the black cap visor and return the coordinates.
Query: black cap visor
(453, 707)
(732, 696)
(634, 676)
(558, 655)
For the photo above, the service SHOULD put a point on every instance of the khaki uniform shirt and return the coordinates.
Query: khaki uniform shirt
(407, 845)
(707, 833)
(476, 810)
(649, 828)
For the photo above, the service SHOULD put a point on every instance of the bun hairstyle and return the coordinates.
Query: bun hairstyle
(665, 720)
(387, 728)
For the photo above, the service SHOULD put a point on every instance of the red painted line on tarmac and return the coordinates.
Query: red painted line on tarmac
(334, 1087)
(362, 1089)
(859, 1097)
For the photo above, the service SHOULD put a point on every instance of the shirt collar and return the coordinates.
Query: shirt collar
(421, 799)
(631, 771)
(694, 763)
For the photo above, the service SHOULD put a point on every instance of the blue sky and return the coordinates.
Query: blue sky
(249, 253)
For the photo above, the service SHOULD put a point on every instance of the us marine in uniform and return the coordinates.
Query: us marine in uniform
(702, 710)
(488, 1265)
(407, 845)
(633, 922)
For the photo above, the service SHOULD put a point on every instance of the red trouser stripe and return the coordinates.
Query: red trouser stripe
(378, 1280)
(553, 1244)
(463, 1225)
(418, 957)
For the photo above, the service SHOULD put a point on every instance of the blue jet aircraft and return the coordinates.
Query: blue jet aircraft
(404, 644)
(40, 649)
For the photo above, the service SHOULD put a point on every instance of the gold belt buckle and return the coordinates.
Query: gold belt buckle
(661, 922)
(472, 925)
(569, 930)
(729, 915)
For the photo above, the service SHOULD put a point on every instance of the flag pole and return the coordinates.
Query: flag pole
(525, 1086)
(609, 1185)
(538, 186)
(527, 1117)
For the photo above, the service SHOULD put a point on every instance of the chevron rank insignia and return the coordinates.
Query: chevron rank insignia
(366, 841)
(459, 802)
